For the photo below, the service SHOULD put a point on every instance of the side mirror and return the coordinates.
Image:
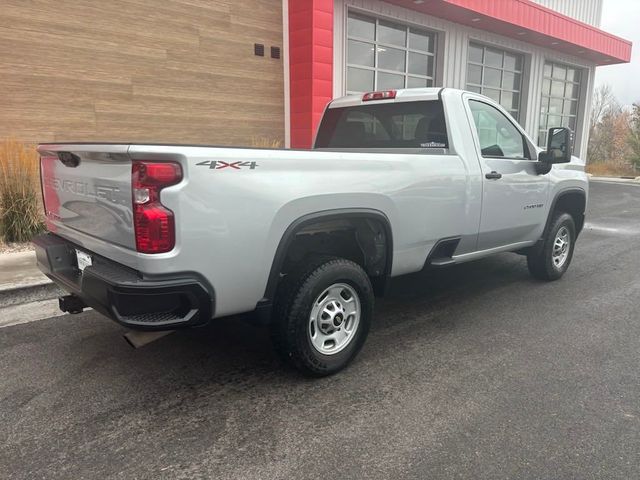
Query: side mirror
(559, 146)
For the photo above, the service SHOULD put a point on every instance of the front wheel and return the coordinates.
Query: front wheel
(551, 259)
(322, 315)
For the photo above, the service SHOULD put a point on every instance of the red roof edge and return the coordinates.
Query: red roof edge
(533, 23)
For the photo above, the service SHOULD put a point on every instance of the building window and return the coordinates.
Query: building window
(496, 74)
(384, 55)
(560, 97)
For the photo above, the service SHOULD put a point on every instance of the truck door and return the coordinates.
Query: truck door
(514, 194)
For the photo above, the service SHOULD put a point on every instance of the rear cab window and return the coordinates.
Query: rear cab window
(385, 125)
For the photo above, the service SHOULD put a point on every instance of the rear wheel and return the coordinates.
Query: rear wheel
(551, 259)
(322, 315)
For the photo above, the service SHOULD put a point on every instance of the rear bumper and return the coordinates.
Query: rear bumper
(125, 295)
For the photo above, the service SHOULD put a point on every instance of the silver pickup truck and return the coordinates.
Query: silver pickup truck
(159, 237)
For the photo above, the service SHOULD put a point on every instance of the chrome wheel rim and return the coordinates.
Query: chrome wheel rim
(561, 248)
(334, 319)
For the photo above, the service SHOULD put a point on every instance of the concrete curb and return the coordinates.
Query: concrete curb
(21, 281)
(27, 293)
(627, 180)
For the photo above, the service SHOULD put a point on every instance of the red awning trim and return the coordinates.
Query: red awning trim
(532, 23)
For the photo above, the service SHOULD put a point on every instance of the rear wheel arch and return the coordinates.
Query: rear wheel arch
(366, 224)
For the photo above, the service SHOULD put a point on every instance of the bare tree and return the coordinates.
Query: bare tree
(634, 136)
(609, 128)
(604, 101)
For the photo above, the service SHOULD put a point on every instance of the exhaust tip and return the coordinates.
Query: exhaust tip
(138, 339)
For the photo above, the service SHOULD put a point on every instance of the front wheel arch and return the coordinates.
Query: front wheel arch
(572, 201)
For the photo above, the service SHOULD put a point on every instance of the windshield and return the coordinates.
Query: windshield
(389, 125)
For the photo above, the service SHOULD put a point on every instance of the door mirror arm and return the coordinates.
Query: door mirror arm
(542, 167)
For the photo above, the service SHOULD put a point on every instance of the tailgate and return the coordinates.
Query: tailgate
(87, 189)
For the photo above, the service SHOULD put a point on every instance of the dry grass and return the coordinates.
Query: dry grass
(20, 213)
(264, 142)
(609, 169)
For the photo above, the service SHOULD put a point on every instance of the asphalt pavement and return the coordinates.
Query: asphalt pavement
(476, 371)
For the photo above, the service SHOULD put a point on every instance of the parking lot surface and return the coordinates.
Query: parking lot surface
(476, 371)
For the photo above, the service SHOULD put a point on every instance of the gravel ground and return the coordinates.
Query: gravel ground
(14, 247)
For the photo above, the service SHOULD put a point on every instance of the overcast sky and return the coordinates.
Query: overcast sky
(622, 18)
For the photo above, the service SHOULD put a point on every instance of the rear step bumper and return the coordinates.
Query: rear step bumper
(123, 294)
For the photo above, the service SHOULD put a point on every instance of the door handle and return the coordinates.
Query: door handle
(493, 175)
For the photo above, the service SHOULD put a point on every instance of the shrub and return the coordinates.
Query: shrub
(611, 169)
(20, 212)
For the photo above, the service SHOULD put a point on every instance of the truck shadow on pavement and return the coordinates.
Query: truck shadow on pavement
(87, 350)
(232, 350)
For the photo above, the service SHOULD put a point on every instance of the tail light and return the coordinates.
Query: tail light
(50, 200)
(153, 222)
(384, 95)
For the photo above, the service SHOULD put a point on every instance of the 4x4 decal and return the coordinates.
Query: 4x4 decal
(219, 165)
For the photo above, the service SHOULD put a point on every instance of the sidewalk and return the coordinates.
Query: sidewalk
(26, 294)
(21, 283)
(19, 270)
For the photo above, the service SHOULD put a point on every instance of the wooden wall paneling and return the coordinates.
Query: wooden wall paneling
(140, 70)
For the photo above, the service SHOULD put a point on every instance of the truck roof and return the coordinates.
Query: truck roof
(402, 95)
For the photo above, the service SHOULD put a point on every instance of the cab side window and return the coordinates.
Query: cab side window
(499, 138)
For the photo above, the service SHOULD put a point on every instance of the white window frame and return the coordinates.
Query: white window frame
(520, 92)
(407, 50)
(578, 124)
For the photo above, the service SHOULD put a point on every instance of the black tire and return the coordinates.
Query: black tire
(540, 259)
(290, 328)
